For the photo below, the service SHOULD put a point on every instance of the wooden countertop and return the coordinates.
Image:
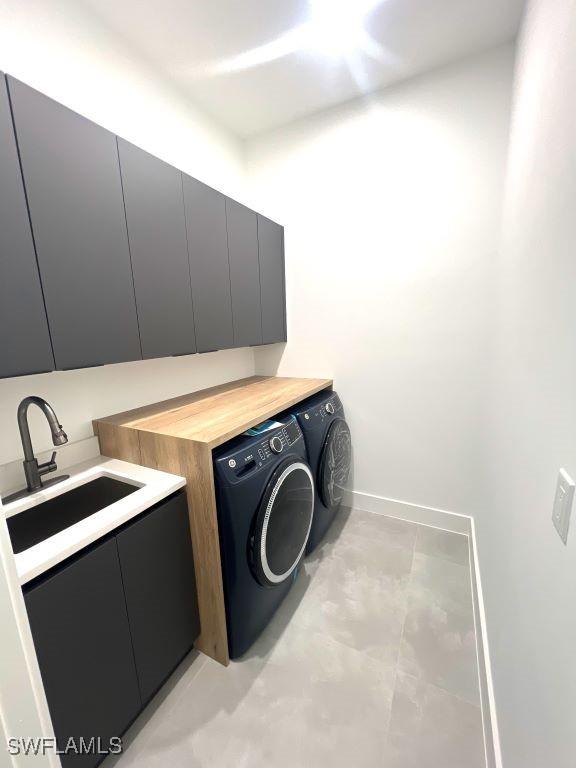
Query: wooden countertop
(213, 416)
(178, 436)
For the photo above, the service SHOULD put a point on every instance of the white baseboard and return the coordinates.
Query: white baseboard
(462, 524)
(414, 513)
(489, 714)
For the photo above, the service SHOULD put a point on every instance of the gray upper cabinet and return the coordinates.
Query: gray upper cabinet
(109, 254)
(244, 274)
(72, 178)
(272, 291)
(209, 265)
(157, 235)
(24, 339)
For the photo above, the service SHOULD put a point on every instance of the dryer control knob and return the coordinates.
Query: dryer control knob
(330, 408)
(276, 445)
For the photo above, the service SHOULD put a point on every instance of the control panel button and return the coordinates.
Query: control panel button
(330, 408)
(276, 444)
(232, 463)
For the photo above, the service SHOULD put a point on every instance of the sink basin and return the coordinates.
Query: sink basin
(50, 517)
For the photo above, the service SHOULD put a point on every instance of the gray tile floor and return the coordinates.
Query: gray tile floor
(370, 661)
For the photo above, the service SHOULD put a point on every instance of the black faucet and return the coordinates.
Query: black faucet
(32, 469)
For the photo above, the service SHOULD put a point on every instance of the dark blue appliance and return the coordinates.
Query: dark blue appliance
(265, 500)
(329, 446)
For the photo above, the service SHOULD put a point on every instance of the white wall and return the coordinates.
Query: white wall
(66, 53)
(392, 211)
(529, 576)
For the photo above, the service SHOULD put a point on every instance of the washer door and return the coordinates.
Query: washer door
(283, 522)
(335, 462)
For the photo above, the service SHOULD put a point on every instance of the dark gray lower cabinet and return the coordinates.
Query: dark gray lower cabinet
(24, 340)
(272, 290)
(244, 274)
(111, 624)
(80, 629)
(158, 574)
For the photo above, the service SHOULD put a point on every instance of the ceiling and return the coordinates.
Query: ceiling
(257, 64)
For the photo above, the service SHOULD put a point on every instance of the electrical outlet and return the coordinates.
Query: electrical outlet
(563, 504)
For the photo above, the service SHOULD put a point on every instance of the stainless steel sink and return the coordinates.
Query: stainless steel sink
(50, 517)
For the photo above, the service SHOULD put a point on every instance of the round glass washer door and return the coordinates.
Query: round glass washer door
(283, 522)
(335, 463)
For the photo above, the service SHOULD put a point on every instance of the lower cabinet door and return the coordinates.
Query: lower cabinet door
(80, 628)
(159, 584)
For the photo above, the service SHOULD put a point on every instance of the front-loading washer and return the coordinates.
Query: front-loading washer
(329, 449)
(265, 501)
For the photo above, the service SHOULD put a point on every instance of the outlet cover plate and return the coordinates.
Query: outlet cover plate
(563, 504)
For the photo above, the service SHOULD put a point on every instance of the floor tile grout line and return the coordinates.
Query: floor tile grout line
(394, 685)
(451, 694)
(469, 575)
(454, 696)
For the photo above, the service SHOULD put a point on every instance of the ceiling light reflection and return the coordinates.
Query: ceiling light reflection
(335, 28)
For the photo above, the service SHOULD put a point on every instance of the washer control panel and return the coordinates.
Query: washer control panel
(276, 444)
(272, 444)
(324, 411)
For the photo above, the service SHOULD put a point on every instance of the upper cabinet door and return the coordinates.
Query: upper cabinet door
(24, 339)
(72, 177)
(271, 252)
(209, 265)
(244, 274)
(157, 234)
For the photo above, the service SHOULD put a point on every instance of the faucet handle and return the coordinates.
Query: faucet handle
(48, 466)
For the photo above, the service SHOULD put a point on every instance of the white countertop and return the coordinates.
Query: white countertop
(153, 486)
